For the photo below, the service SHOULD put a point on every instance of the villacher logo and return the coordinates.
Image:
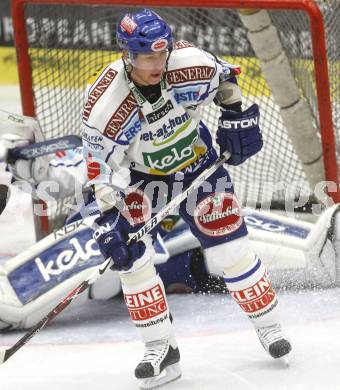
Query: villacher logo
(218, 214)
(138, 207)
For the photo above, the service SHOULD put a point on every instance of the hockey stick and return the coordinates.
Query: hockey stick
(153, 222)
(45, 147)
(4, 192)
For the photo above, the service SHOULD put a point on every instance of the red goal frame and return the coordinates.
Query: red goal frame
(318, 46)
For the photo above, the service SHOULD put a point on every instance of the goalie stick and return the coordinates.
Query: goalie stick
(43, 148)
(153, 222)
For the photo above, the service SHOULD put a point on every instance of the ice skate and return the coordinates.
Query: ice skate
(275, 342)
(159, 365)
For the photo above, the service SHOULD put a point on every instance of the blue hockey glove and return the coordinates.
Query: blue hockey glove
(239, 134)
(111, 235)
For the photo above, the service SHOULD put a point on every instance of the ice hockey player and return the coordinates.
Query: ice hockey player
(142, 128)
(298, 254)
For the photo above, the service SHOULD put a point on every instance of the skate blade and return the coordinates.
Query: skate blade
(2, 356)
(284, 360)
(170, 374)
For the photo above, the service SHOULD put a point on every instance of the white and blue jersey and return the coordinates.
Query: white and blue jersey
(121, 129)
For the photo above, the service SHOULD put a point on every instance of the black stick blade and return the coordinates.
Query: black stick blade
(4, 194)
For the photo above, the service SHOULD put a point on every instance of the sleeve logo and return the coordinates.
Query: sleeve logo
(98, 91)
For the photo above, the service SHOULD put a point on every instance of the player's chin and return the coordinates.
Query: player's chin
(155, 78)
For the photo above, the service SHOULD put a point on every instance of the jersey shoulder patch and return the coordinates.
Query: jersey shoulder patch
(183, 45)
(190, 64)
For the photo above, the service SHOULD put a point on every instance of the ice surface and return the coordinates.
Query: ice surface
(94, 345)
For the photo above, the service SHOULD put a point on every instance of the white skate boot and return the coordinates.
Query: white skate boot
(275, 341)
(159, 365)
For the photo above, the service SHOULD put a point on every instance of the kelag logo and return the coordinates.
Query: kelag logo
(172, 157)
(54, 265)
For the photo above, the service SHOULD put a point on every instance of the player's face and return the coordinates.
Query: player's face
(148, 68)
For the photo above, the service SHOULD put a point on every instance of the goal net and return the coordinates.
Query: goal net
(61, 44)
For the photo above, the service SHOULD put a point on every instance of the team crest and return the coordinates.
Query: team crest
(218, 214)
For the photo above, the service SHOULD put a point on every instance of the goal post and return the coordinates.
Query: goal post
(52, 36)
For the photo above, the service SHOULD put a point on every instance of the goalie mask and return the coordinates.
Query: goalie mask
(145, 39)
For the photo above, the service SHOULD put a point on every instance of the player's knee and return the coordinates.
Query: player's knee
(230, 258)
(242, 266)
(139, 273)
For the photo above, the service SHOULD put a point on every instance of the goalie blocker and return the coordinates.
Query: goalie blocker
(298, 254)
(18, 131)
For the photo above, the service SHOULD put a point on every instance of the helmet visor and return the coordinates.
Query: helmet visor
(152, 61)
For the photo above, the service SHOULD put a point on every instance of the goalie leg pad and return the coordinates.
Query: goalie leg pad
(10, 306)
(32, 283)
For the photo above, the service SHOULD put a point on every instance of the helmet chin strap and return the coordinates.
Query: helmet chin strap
(127, 62)
(166, 64)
